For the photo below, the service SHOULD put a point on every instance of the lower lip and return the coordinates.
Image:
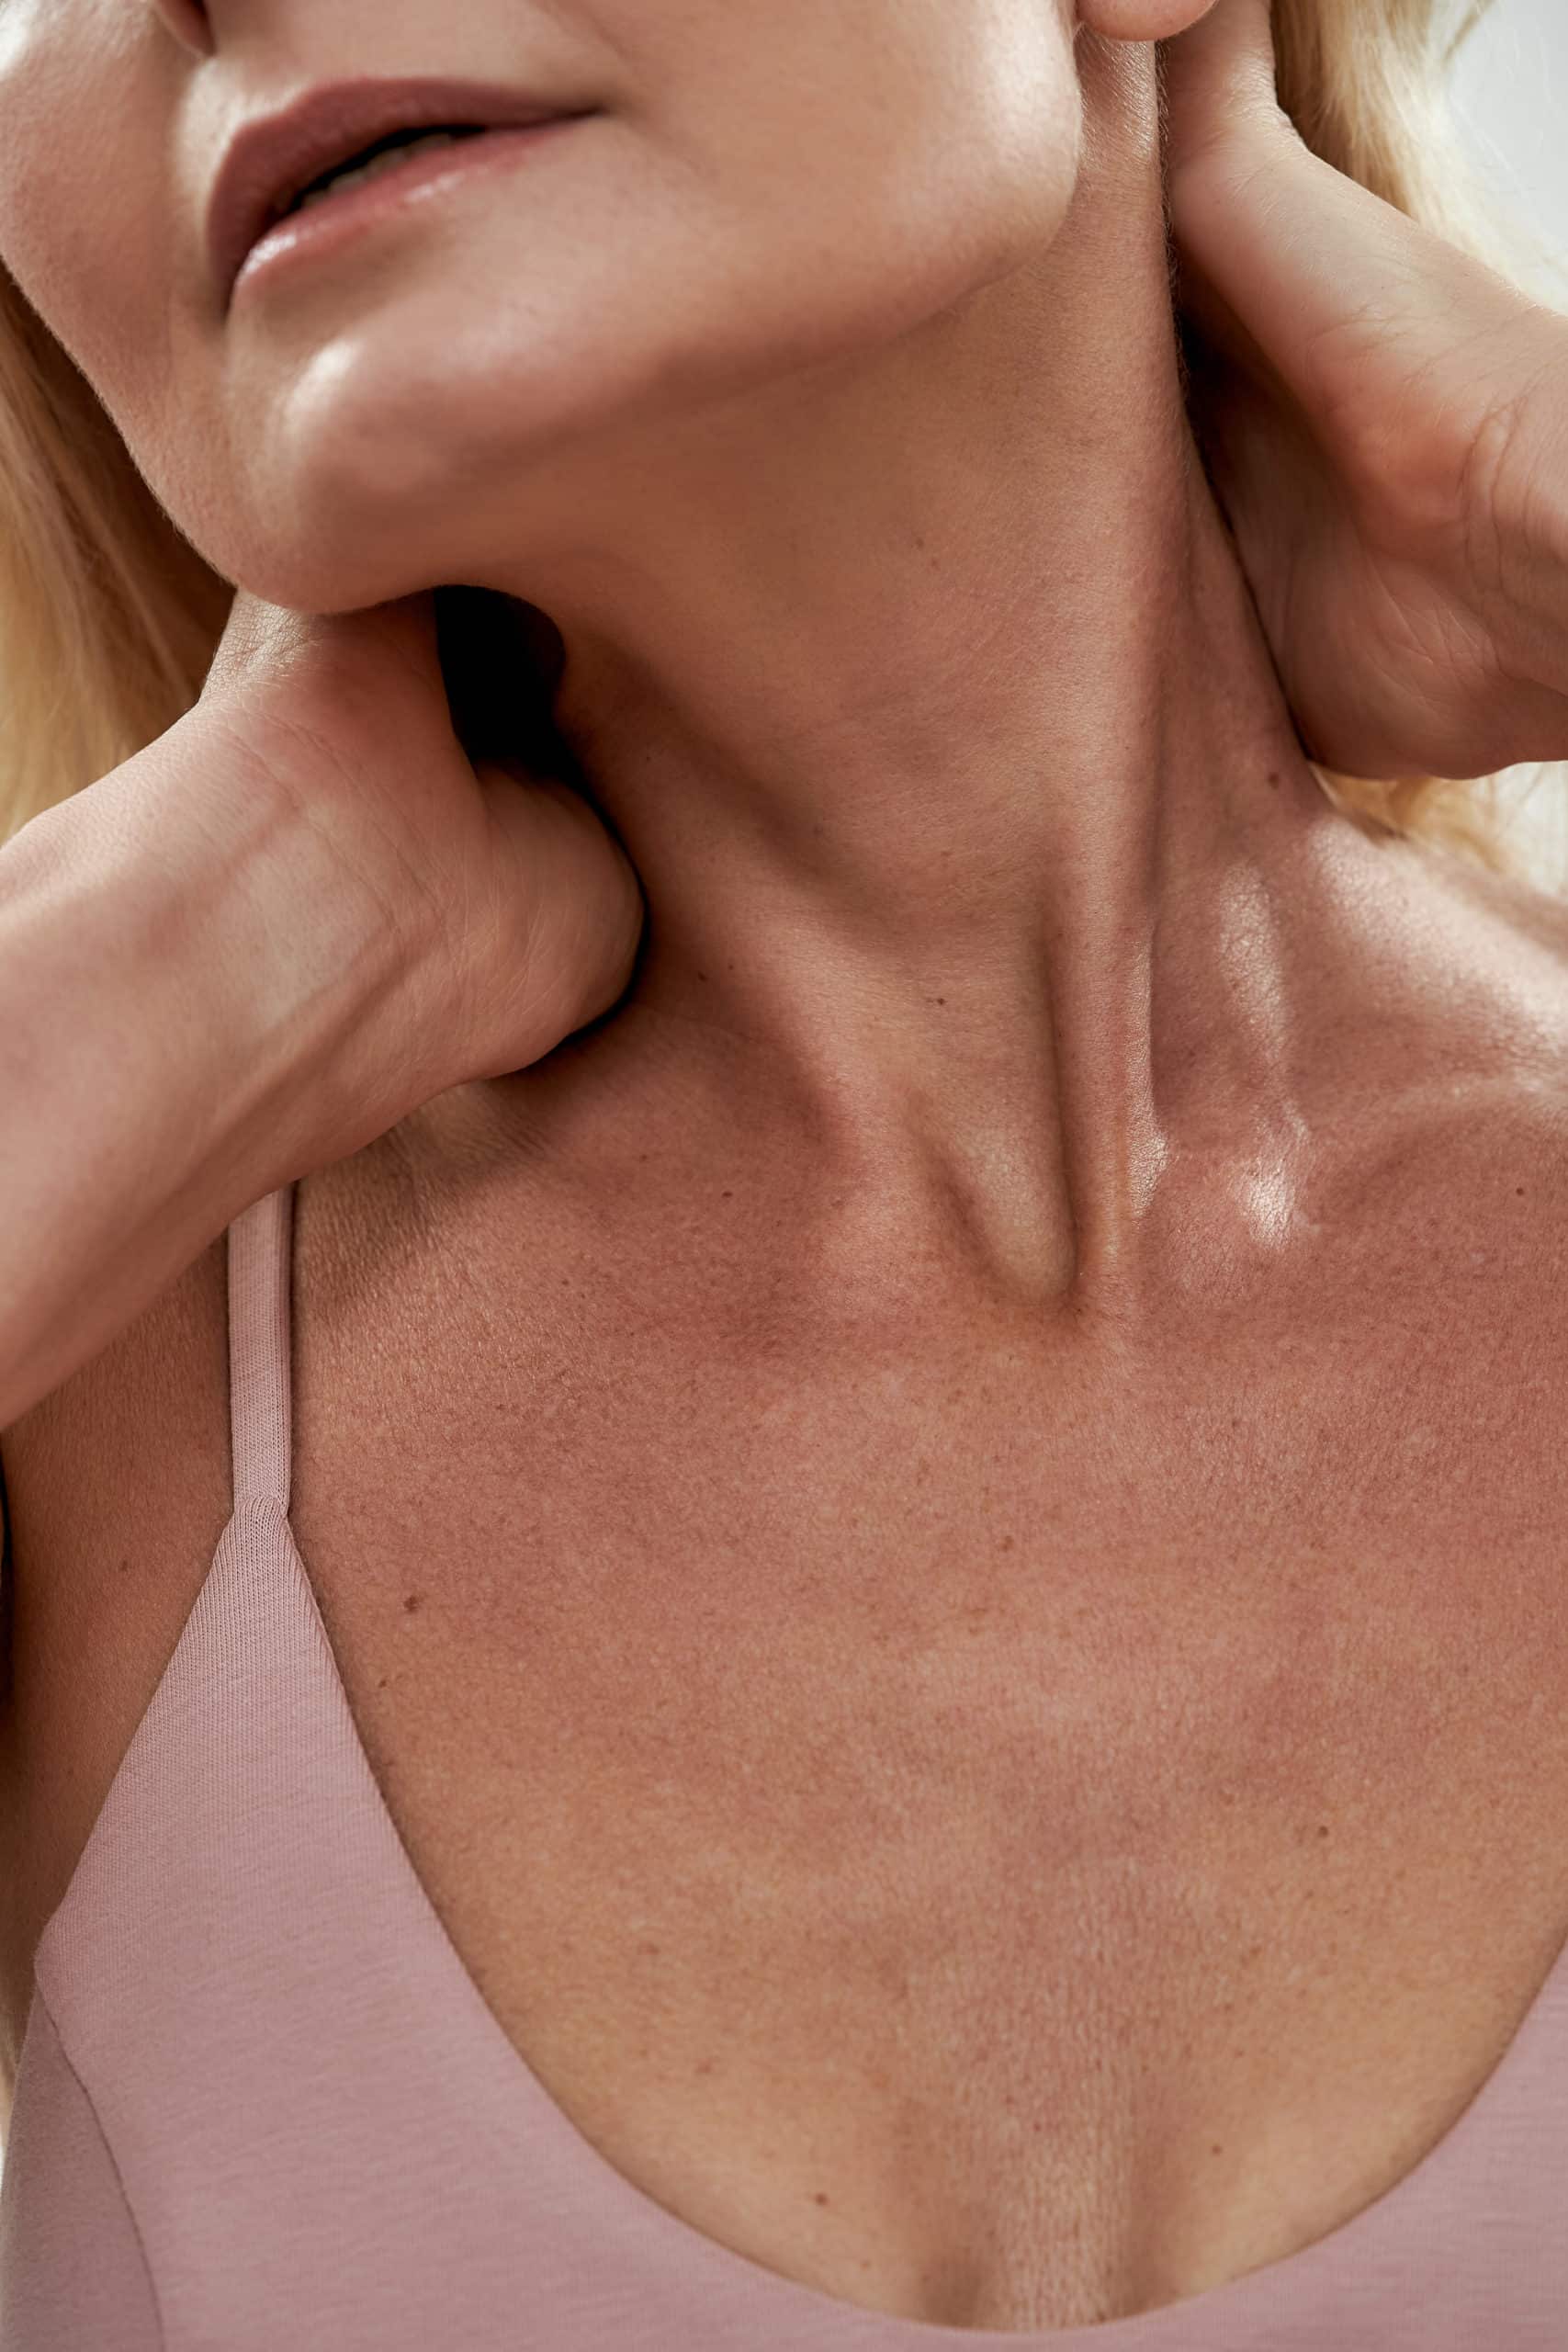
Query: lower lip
(318, 231)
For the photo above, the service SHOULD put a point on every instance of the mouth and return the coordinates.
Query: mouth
(339, 137)
(382, 156)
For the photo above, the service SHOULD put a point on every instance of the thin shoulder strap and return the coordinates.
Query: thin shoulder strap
(260, 1252)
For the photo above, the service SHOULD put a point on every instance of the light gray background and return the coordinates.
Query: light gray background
(1511, 92)
(1511, 97)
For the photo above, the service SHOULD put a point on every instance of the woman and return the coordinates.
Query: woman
(908, 1330)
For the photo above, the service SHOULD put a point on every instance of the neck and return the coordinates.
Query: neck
(937, 723)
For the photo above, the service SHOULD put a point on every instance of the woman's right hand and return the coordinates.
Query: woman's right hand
(521, 914)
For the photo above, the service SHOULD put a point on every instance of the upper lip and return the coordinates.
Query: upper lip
(273, 157)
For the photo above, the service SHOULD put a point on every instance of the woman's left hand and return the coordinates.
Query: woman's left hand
(1386, 423)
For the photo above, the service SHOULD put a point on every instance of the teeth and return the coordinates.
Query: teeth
(388, 160)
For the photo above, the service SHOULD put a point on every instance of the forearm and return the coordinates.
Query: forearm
(193, 1010)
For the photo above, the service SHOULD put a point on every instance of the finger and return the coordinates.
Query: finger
(1317, 271)
(1220, 80)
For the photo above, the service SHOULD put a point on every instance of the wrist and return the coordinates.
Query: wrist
(258, 976)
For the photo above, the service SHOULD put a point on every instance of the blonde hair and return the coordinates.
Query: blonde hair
(109, 618)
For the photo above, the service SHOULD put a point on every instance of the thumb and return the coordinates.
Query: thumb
(552, 923)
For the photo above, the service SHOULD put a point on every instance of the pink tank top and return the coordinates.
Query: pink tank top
(262, 2105)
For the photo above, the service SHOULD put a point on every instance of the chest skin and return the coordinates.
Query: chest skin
(1009, 1821)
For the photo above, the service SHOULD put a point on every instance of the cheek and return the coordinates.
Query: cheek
(877, 171)
(83, 204)
(893, 245)
(83, 232)
(128, 341)
(102, 282)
